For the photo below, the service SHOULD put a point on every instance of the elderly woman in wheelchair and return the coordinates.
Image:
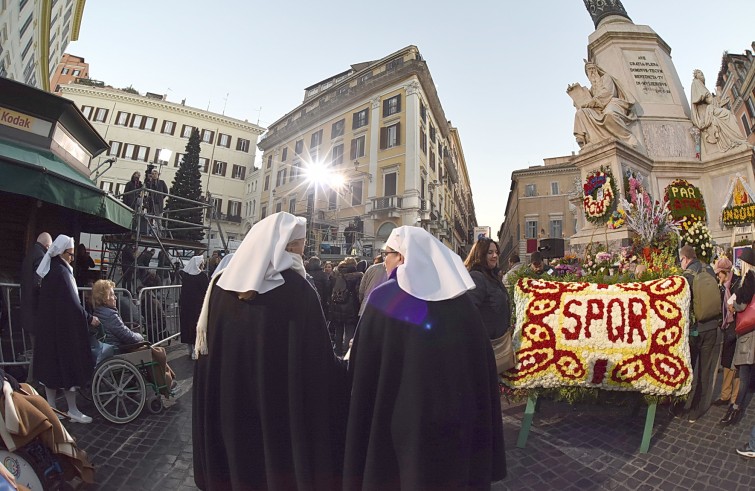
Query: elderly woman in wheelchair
(118, 386)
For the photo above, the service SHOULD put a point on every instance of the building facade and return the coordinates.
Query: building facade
(68, 70)
(368, 150)
(538, 207)
(139, 128)
(33, 37)
(736, 81)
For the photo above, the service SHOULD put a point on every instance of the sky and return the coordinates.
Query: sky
(501, 67)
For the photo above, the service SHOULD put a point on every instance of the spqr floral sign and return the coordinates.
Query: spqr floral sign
(618, 337)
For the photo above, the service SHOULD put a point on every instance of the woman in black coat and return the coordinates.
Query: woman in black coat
(63, 358)
(194, 284)
(490, 296)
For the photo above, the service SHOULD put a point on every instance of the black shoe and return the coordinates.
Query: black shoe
(720, 402)
(731, 417)
(676, 410)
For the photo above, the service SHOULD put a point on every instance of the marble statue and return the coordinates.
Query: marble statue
(605, 110)
(600, 9)
(717, 124)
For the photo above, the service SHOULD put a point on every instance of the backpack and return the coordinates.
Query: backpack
(341, 292)
(706, 296)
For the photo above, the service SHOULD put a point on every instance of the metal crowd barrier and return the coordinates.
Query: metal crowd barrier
(15, 343)
(159, 318)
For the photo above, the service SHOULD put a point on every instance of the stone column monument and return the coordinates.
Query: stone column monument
(634, 119)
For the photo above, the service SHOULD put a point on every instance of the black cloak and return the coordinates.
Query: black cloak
(269, 397)
(193, 288)
(425, 411)
(30, 283)
(62, 357)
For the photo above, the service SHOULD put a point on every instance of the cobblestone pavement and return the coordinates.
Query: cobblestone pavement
(584, 447)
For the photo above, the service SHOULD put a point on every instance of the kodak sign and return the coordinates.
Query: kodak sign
(24, 122)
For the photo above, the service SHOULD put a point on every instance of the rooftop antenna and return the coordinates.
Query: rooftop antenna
(226, 102)
(258, 115)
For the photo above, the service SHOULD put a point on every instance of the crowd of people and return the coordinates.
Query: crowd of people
(354, 377)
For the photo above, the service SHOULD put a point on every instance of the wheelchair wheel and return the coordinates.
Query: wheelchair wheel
(155, 405)
(118, 391)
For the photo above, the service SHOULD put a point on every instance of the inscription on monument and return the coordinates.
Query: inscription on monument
(648, 77)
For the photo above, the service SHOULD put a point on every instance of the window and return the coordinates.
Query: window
(263, 214)
(115, 149)
(530, 190)
(360, 119)
(278, 207)
(423, 140)
(101, 114)
(392, 106)
(746, 125)
(142, 153)
(432, 133)
(135, 152)
(556, 228)
(177, 161)
(137, 120)
(238, 172)
(337, 128)
(204, 164)
(218, 168)
(423, 112)
(295, 170)
(356, 193)
(278, 178)
(357, 147)
(106, 186)
(186, 131)
(316, 139)
(169, 127)
(332, 200)
(208, 136)
(390, 136)
(337, 154)
(299, 147)
(64, 71)
(76, 73)
(389, 184)
(554, 188)
(270, 161)
(750, 107)
(284, 154)
(292, 206)
(432, 160)
(530, 229)
(149, 124)
(156, 158)
(26, 25)
(224, 140)
(217, 205)
(122, 118)
(267, 182)
(234, 208)
(242, 145)
(128, 151)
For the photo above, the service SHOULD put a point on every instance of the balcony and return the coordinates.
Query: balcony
(386, 203)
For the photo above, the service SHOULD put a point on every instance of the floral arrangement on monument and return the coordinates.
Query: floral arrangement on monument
(603, 263)
(698, 236)
(617, 220)
(652, 222)
(622, 337)
(567, 266)
(599, 195)
(685, 202)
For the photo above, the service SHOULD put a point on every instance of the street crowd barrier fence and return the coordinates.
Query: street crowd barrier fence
(15, 343)
(162, 316)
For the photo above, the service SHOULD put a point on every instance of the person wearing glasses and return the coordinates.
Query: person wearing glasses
(63, 359)
(425, 409)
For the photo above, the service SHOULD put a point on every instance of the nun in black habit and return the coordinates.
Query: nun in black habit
(194, 283)
(269, 393)
(425, 410)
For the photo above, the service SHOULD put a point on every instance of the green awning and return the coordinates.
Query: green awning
(42, 175)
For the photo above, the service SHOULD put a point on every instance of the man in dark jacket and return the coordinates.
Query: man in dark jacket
(344, 303)
(30, 284)
(320, 279)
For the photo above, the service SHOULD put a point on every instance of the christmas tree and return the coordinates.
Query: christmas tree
(187, 184)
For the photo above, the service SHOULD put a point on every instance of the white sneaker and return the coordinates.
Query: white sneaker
(79, 417)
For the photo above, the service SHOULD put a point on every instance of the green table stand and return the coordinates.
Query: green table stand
(529, 413)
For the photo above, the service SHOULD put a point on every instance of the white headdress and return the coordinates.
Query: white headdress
(222, 264)
(193, 267)
(257, 264)
(431, 271)
(61, 244)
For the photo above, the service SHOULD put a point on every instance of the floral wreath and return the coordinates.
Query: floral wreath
(597, 183)
(688, 210)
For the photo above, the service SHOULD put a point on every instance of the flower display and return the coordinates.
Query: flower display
(617, 220)
(625, 337)
(698, 236)
(599, 199)
(686, 202)
(652, 222)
